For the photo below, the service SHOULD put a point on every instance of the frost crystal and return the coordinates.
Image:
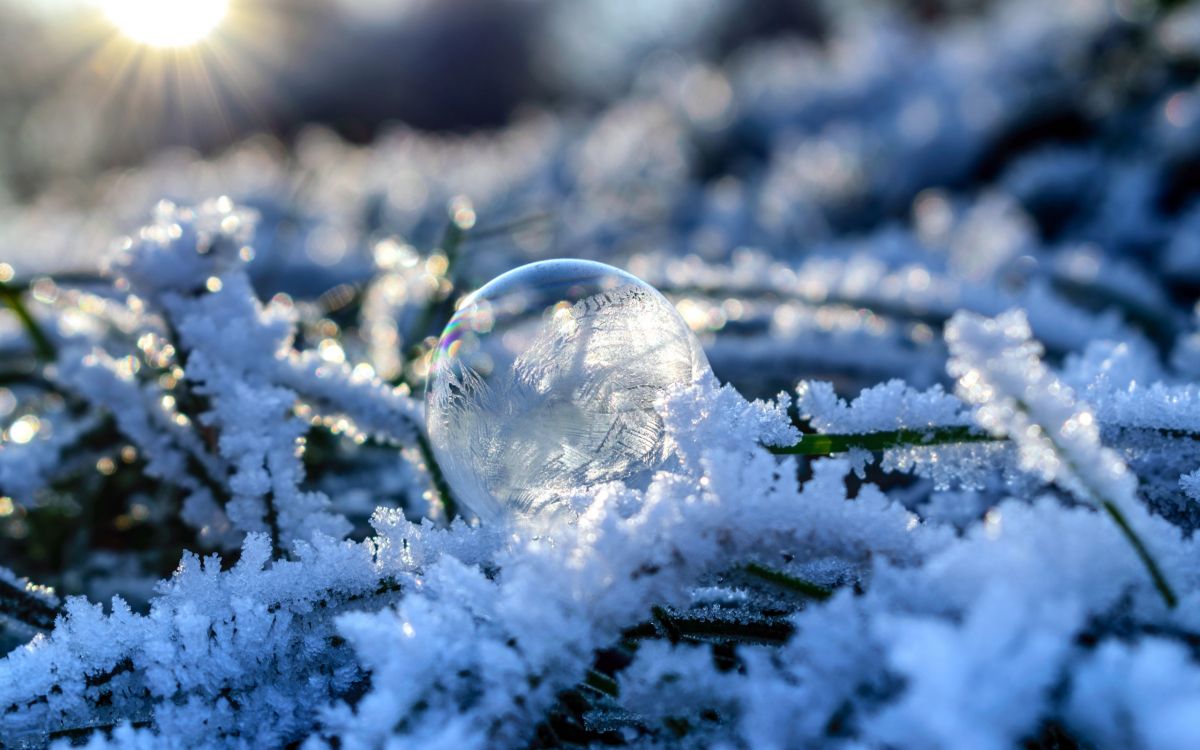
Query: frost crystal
(545, 382)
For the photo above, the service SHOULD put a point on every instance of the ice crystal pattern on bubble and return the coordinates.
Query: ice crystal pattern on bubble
(546, 380)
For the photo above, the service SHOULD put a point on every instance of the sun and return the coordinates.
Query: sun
(166, 23)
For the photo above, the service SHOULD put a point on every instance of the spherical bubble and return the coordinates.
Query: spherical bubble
(544, 382)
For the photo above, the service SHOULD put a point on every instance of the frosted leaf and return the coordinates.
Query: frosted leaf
(546, 381)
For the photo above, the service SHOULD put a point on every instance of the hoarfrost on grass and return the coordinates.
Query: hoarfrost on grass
(871, 221)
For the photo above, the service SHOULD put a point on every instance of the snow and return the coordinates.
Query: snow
(856, 230)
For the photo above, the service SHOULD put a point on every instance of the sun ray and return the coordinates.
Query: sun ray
(161, 92)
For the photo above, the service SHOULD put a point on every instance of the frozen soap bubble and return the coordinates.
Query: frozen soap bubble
(544, 382)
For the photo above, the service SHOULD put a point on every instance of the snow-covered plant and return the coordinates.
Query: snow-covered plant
(999, 368)
(204, 382)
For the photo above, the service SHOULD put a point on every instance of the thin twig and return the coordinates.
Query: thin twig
(12, 299)
(62, 278)
(788, 581)
(818, 444)
(1102, 500)
(493, 230)
(449, 504)
(1143, 553)
(29, 609)
(452, 240)
(602, 683)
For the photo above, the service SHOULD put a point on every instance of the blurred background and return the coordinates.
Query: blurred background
(803, 120)
(94, 84)
(686, 128)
